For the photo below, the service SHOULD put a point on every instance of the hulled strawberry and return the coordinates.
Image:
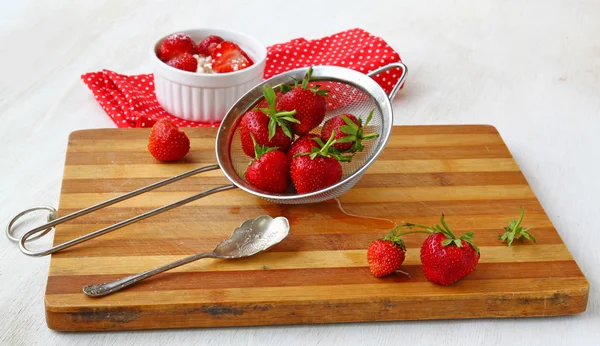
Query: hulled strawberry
(318, 169)
(185, 62)
(208, 45)
(446, 259)
(166, 142)
(304, 144)
(175, 45)
(268, 126)
(229, 57)
(385, 255)
(348, 132)
(309, 103)
(270, 169)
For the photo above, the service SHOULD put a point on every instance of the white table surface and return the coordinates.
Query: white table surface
(530, 68)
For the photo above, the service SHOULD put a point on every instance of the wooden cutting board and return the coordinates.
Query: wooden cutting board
(319, 274)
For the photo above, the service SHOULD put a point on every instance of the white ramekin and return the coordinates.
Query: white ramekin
(206, 97)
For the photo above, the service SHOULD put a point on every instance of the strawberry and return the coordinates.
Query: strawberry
(310, 104)
(348, 132)
(270, 169)
(175, 45)
(446, 259)
(166, 142)
(515, 231)
(385, 255)
(229, 57)
(268, 126)
(318, 169)
(185, 62)
(303, 144)
(208, 45)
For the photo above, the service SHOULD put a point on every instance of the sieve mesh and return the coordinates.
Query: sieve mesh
(350, 92)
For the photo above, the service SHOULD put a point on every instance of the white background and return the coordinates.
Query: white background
(530, 68)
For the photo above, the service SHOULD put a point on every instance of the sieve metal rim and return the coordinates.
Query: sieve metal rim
(356, 79)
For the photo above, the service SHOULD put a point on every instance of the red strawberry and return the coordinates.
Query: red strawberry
(317, 170)
(209, 44)
(348, 132)
(310, 104)
(446, 258)
(185, 62)
(269, 171)
(385, 255)
(267, 126)
(303, 144)
(175, 45)
(228, 57)
(166, 142)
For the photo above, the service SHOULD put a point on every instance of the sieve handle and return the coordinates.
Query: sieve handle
(399, 65)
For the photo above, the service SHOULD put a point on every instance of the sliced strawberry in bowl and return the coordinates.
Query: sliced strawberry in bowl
(229, 57)
(208, 45)
(175, 45)
(185, 62)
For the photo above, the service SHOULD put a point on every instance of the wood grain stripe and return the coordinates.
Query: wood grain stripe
(378, 167)
(366, 293)
(364, 195)
(286, 260)
(153, 241)
(310, 277)
(471, 214)
(384, 180)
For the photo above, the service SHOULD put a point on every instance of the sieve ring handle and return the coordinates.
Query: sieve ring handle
(399, 65)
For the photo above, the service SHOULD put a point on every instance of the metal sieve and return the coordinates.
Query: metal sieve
(349, 92)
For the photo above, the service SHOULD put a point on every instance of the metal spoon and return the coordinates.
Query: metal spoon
(252, 237)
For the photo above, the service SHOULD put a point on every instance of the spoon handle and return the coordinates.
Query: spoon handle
(107, 288)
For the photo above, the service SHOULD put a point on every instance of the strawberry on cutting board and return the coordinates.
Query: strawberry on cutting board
(309, 103)
(318, 169)
(446, 258)
(270, 169)
(229, 57)
(175, 45)
(268, 126)
(385, 255)
(166, 142)
(348, 132)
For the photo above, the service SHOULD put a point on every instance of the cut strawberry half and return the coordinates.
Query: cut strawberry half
(185, 62)
(229, 57)
(175, 45)
(208, 45)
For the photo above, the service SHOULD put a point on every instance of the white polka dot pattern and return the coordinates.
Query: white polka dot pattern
(130, 101)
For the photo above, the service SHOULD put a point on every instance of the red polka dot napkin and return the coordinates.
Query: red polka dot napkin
(130, 100)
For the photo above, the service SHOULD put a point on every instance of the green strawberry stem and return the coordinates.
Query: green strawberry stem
(284, 88)
(354, 133)
(445, 230)
(515, 231)
(328, 151)
(281, 119)
(260, 150)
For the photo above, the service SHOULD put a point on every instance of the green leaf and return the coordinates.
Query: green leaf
(467, 236)
(322, 92)
(286, 131)
(350, 123)
(370, 116)
(446, 242)
(291, 120)
(458, 242)
(346, 139)
(265, 110)
(270, 95)
(347, 130)
(284, 88)
(272, 128)
(319, 141)
(307, 78)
